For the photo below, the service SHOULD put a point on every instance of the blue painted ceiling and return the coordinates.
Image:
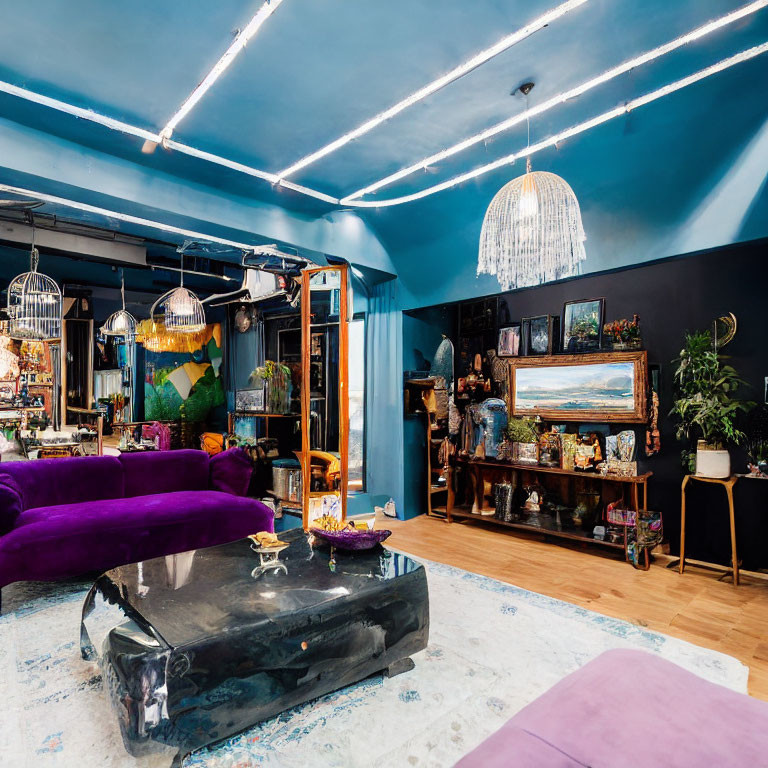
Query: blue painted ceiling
(318, 69)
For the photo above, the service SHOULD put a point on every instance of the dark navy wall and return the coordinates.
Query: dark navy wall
(672, 296)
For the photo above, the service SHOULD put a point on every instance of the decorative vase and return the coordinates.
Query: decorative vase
(712, 462)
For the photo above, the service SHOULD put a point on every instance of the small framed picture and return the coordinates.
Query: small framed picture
(540, 334)
(509, 341)
(250, 400)
(583, 325)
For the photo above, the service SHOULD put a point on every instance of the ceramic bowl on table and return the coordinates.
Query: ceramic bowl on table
(351, 540)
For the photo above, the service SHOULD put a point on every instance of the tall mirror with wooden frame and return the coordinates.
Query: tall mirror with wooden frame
(324, 392)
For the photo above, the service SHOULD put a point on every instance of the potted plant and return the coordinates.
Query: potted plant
(707, 406)
(623, 334)
(524, 436)
(277, 378)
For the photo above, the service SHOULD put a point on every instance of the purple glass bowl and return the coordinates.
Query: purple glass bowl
(352, 540)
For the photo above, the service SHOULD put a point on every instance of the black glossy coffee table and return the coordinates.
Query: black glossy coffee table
(197, 646)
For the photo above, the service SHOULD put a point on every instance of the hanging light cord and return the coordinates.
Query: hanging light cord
(34, 255)
(528, 125)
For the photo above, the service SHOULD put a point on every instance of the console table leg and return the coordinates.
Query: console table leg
(682, 524)
(734, 556)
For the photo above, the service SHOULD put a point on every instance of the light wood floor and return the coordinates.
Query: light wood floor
(696, 606)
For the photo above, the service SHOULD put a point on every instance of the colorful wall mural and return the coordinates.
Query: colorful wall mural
(183, 374)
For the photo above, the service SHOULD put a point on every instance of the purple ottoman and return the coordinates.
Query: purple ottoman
(631, 709)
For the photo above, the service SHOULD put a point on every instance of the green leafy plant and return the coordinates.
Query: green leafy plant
(522, 431)
(706, 405)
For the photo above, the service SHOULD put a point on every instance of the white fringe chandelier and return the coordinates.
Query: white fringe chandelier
(532, 232)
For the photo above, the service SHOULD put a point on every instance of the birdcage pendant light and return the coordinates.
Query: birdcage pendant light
(532, 232)
(122, 322)
(183, 310)
(34, 304)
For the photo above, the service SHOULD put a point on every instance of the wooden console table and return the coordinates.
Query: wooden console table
(635, 487)
(728, 484)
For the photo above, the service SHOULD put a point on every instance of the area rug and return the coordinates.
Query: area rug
(493, 648)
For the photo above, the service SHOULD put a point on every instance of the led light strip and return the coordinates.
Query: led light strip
(85, 114)
(187, 233)
(141, 133)
(436, 85)
(574, 131)
(610, 74)
(240, 41)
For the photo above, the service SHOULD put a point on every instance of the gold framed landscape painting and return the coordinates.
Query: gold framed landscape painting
(587, 387)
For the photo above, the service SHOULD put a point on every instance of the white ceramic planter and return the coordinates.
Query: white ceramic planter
(712, 463)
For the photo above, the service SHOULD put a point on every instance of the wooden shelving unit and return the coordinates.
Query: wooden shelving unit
(633, 490)
(439, 497)
(232, 415)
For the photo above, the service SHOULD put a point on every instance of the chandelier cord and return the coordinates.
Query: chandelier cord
(528, 125)
(122, 286)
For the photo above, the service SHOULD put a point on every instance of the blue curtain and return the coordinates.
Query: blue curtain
(384, 406)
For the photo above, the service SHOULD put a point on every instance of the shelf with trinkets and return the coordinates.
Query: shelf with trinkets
(480, 486)
(581, 486)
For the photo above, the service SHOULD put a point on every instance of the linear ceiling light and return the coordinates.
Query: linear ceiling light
(610, 74)
(436, 85)
(575, 130)
(240, 41)
(188, 233)
(141, 133)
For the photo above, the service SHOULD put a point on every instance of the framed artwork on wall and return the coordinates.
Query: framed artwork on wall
(540, 334)
(583, 325)
(596, 387)
(509, 341)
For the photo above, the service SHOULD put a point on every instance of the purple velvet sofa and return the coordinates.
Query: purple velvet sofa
(64, 517)
(630, 709)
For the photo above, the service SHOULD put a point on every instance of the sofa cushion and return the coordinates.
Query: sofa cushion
(164, 472)
(63, 481)
(231, 471)
(11, 504)
(51, 543)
